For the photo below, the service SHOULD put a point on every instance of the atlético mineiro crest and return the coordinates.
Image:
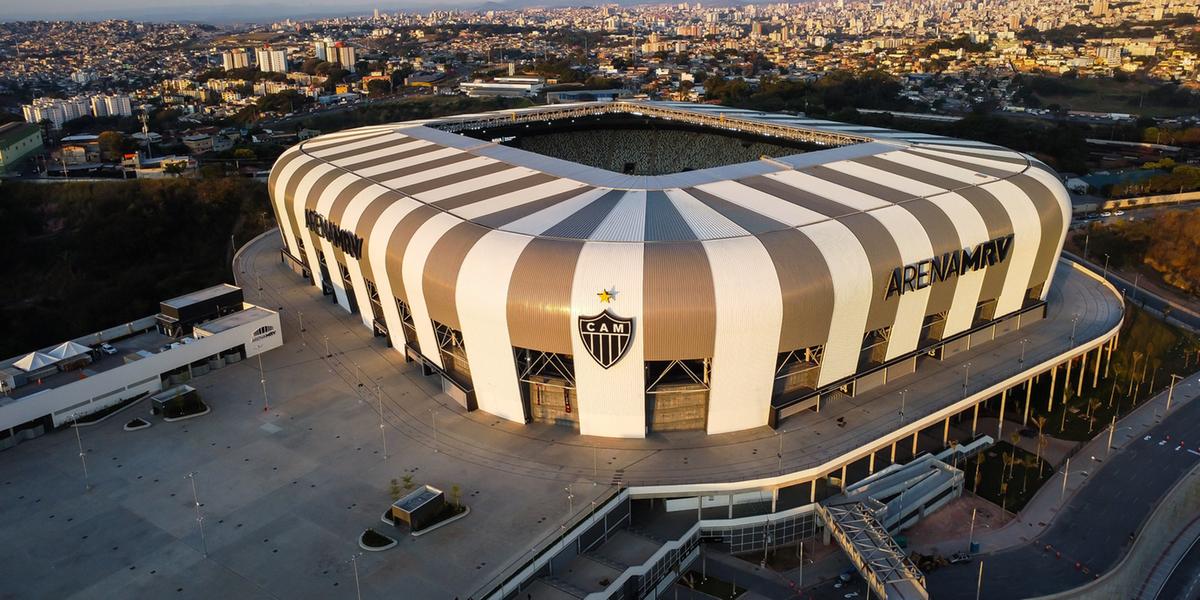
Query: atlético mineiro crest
(606, 337)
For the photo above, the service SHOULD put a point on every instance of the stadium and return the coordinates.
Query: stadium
(625, 268)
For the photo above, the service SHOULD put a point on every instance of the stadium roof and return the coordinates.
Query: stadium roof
(500, 187)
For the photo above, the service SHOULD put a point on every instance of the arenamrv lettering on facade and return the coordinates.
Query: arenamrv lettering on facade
(742, 285)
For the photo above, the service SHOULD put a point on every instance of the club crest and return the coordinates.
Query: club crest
(606, 337)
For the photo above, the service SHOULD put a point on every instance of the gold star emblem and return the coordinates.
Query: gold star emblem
(607, 296)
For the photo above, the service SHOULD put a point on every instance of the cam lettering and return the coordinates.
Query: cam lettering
(922, 274)
(342, 239)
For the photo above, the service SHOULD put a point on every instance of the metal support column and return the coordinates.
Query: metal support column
(1082, 372)
(1028, 398)
(974, 420)
(1053, 376)
(1000, 425)
(1099, 356)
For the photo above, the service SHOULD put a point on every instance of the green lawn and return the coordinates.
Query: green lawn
(1110, 95)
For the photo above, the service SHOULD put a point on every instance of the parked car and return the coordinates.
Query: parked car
(1106, 214)
(960, 557)
(108, 349)
(1119, 213)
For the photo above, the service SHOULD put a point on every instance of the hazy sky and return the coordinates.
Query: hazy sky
(224, 10)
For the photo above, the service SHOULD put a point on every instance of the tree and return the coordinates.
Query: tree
(408, 481)
(394, 490)
(244, 154)
(377, 87)
(175, 168)
(1040, 421)
(456, 496)
(112, 145)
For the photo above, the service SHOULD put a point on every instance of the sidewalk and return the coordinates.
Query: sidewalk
(1167, 562)
(1046, 504)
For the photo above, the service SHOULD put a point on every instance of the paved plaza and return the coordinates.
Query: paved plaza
(286, 492)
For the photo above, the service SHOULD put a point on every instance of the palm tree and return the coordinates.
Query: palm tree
(1007, 459)
(1093, 404)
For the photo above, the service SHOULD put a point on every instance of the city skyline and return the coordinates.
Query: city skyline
(236, 12)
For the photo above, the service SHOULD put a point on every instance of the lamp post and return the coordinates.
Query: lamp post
(433, 412)
(971, 534)
(779, 434)
(1066, 474)
(903, 394)
(1021, 361)
(199, 517)
(966, 377)
(382, 425)
(328, 354)
(262, 378)
(1105, 276)
(87, 482)
(1074, 323)
(1171, 390)
(570, 501)
(357, 587)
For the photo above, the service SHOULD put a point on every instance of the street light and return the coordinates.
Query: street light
(570, 501)
(199, 517)
(779, 434)
(262, 378)
(1106, 266)
(1171, 390)
(382, 427)
(966, 376)
(1022, 359)
(433, 411)
(357, 587)
(1074, 323)
(87, 483)
(903, 393)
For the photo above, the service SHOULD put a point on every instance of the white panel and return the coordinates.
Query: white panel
(916, 161)
(408, 162)
(762, 203)
(971, 231)
(612, 402)
(626, 222)
(377, 245)
(324, 203)
(852, 288)
(354, 145)
(967, 146)
(1027, 235)
(408, 145)
(749, 319)
(281, 207)
(484, 319)
(340, 138)
(517, 198)
(350, 218)
(829, 190)
(705, 222)
(881, 177)
(914, 246)
(473, 184)
(434, 173)
(553, 215)
(310, 247)
(983, 162)
(414, 281)
(1064, 203)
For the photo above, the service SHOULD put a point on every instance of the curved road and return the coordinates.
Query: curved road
(1184, 583)
(1094, 530)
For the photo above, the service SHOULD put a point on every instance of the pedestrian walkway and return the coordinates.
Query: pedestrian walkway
(1038, 514)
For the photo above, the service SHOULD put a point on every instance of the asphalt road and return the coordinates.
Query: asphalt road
(1142, 297)
(1184, 583)
(1096, 527)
